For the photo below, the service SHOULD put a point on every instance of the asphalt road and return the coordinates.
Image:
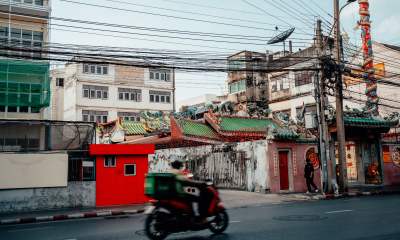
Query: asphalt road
(376, 217)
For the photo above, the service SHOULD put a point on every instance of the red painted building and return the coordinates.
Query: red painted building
(120, 171)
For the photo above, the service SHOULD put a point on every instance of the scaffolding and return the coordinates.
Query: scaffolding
(24, 84)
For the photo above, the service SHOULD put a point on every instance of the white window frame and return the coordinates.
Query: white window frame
(129, 164)
(96, 67)
(89, 90)
(95, 115)
(159, 94)
(236, 87)
(108, 160)
(161, 73)
(138, 95)
(58, 82)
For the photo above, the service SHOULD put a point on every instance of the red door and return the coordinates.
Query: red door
(283, 170)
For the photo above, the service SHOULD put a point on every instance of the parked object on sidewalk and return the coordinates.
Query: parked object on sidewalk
(335, 186)
(309, 175)
(373, 175)
(169, 215)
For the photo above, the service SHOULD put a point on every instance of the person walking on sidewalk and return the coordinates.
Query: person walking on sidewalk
(309, 175)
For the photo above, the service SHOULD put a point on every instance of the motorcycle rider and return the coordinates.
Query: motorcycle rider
(177, 164)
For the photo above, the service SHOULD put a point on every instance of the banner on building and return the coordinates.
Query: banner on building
(379, 72)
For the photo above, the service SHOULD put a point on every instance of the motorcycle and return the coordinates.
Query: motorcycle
(171, 216)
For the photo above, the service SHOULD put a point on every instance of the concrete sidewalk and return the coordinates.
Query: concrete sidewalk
(353, 192)
(68, 213)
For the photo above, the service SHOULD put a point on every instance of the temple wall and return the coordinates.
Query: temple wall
(392, 172)
(254, 154)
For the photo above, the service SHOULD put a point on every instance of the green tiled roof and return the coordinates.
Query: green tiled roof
(199, 129)
(136, 127)
(362, 122)
(245, 124)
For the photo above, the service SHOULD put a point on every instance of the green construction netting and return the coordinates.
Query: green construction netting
(24, 84)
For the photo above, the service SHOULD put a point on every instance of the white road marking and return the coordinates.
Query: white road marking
(257, 205)
(340, 211)
(235, 221)
(273, 207)
(32, 229)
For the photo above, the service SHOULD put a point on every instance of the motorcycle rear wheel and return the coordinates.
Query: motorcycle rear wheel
(220, 223)
(155, 229)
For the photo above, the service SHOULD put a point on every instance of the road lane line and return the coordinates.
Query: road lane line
(235, 221)
(340, 211)
(32, 229)
(273, 207)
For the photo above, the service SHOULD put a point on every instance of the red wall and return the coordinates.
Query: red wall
(299, 182)
(114, 188)
(392, 172)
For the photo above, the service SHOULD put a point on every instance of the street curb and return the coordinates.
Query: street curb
(345, 195)
(70, 216)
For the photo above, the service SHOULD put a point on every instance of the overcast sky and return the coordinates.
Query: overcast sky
(384, 14)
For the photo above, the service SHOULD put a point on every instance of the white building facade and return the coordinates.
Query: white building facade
(104, 90)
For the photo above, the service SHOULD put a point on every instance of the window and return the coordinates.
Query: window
(236, 64)
(160, 74)
(91, 116)
(95, 92)
(161, 97)
(60, 82)
(237, 87)
(129, 116)
(95, 69)
(303, 78)
(30, 41)
(130, 169)
(109, 161)
(127, 94)
(280, 83)
(19, 96)
(311, 109)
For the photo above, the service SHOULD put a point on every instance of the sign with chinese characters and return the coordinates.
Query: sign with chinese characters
(310, 153)
(396, 156)
(294, 164)
(379, 72)
(129, 74)
(386, 154)
(275, 165)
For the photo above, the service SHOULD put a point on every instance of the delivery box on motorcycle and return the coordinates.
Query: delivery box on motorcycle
(161, 186)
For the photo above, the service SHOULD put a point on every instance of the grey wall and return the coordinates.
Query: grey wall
(76, 194)
(255, 154)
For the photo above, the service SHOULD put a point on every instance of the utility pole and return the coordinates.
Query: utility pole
(323, 125)
(339, 106)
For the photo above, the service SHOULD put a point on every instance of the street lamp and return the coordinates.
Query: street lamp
(336, 18)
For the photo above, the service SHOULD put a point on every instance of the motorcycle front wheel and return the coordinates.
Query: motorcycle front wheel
(220, 223)
(155, 228)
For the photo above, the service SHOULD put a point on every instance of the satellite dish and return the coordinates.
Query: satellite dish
(281, 37)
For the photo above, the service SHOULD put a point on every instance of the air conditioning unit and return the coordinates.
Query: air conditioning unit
(311, 120)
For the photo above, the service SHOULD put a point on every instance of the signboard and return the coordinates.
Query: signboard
(379, 72)
(386, 157)
(310, 153)
(275, 165)
(128, 74)
(294, 164)
(396, 156)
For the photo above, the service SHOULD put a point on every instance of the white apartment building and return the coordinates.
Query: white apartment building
(102, 90)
